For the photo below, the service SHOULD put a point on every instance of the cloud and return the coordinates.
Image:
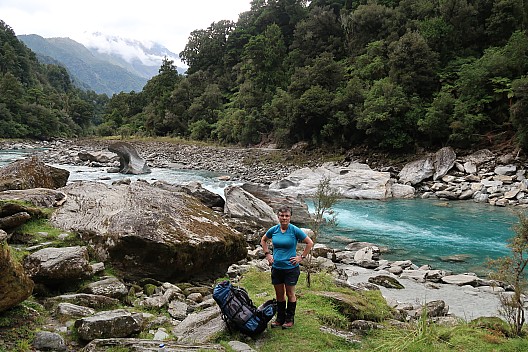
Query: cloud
(167, 22)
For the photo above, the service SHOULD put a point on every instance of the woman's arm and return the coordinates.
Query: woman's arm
(264, 243)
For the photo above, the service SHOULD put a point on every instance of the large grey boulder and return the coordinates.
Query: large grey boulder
(41, 197)
(417, 171)
(107, 324)
(32, 173)
(444, 160)
(129, 160)
(15, 285)
(201, 326)
(57, 265)
(110, 287)
(49, 341)
(144, 231)
(435, 166)
(275, 199)
(356, 181)
(244, 205)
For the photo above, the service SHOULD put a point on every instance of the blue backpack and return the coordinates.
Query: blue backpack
(238, 310)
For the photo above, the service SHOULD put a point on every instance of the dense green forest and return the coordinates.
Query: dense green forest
(39, 100)
(392, 74)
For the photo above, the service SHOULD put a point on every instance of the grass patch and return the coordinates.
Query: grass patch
(19, 324)
(315, 310)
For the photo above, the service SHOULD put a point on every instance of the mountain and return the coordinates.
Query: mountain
(106, 69)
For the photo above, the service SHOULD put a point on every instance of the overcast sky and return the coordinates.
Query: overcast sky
(168, 22)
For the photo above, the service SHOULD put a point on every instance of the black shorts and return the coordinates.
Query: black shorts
(289, 277)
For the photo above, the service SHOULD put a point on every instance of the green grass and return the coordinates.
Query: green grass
(19, 324)
(314, 311)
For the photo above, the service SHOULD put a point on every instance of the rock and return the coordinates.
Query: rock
(370, 253)
(144, 231)
(506, 170)
(41, 197)
(195, 189)
(99, 157)
(460, 280)
(15, 285)
(83, 299)
(238, 346)
(66, 311)
(49, 341)
(385, 281)
(242, 204)
(275, 199)
(444, 159)
(433, 309)
(31, 173)
(129, 160)
(13, 221)
(417, 171)
(130, 344)
(480, 157)
(456, 258)
(209, 321)
(56, 265)
(110, 287)
(356, 181)
(107, 324)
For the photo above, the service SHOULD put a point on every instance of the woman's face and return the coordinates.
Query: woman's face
(284, 218)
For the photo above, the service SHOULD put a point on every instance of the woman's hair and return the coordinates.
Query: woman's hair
(284, 209)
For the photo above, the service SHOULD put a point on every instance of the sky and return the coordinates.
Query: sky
(168, 22)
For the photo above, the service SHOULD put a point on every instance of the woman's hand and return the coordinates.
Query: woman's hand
(269, 257)
(296, 260)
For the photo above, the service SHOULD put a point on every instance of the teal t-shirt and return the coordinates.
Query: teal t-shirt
(285, 245)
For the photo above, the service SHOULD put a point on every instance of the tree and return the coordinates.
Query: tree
(324, 200)
(511, 270)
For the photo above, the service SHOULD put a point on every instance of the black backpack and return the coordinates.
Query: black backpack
(238, 310)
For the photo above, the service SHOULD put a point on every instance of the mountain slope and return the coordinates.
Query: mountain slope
(86, 69)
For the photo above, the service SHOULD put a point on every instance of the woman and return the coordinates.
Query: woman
(285, 269)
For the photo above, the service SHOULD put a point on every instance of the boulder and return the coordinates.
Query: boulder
(210, 324)
(416, 171)
(444, 160)
(356, 181)
(49, 341)
(57, 265)
(107, 324)
(131, 344)
(300, 214)
(129, 160)
(15, 285)
(110, 287)
(82, 299)
(144, 231)
(242, 204)
(41, 197)
(32, 173)
(195, 189)
(386, 281)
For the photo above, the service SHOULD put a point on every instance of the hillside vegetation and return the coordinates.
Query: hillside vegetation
(390, 74)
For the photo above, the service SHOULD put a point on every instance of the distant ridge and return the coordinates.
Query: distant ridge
(105, 72)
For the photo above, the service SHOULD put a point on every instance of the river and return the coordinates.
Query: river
(424, 231)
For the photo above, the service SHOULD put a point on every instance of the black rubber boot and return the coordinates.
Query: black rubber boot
(281, 315)
(290, 315)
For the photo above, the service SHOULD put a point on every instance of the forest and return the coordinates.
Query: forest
(389, 74)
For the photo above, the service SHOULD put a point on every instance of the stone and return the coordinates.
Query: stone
(356, 181)
(15, 284)
(49, 341)
(386, 281)
(107, 324)
(55, 265)
(110, 287)
(144, 231)
(460, 280)
(31, 173)
(444, 159)
(416, 171)
(130, 162)
(242, 204)
(66, 311)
